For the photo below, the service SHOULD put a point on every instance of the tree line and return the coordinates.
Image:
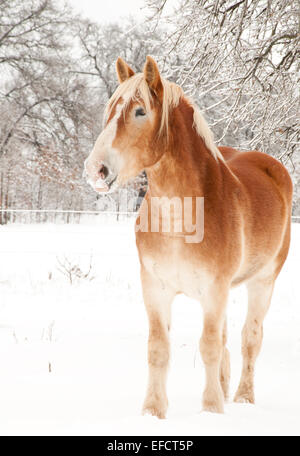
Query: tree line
(57, 71)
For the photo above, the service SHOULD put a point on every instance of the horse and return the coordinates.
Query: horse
(151, 125)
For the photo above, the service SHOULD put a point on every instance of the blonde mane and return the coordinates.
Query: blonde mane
(136, 88)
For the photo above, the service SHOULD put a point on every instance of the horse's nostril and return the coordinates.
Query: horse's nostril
(103, 170)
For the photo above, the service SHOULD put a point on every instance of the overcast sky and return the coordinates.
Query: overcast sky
(109, 10)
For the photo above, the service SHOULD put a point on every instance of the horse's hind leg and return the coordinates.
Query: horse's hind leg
(225, 364)
(259, 297)
(158, 299)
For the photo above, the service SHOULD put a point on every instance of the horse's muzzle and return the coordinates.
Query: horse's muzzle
(101, 172)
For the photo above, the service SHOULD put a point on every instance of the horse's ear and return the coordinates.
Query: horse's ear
(152, 76)
(123, 70)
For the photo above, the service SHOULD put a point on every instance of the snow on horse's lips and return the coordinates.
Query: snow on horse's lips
(99, 187)
(94, 184)
(100, 183)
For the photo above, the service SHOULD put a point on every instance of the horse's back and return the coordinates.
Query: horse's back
(253, 165)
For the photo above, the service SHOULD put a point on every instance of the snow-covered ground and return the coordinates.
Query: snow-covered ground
(73, 356)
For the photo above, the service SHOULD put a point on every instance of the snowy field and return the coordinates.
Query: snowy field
(73, 355)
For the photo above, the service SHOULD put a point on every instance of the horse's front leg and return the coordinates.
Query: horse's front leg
(158, 298)
(211, 348)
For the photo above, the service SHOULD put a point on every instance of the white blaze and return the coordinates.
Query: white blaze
(103, 152)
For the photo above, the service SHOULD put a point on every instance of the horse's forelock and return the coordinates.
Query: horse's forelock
(133, 89)
(136, 88)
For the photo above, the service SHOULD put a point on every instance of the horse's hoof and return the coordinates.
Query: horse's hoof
(213, 406)
(154, 411)
(244, 398)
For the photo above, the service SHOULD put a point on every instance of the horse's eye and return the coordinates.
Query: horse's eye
(140, 112)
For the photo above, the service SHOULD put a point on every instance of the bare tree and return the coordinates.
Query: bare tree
(46, 122)
(31, 35)
(241, 63)
(100, 46)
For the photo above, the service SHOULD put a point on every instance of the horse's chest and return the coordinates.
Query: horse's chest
(177, 271)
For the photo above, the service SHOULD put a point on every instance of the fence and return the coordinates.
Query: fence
(29, 216)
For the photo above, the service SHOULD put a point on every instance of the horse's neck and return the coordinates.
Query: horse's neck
(187, 167)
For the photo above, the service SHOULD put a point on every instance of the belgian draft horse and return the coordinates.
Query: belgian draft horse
(151, 125)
